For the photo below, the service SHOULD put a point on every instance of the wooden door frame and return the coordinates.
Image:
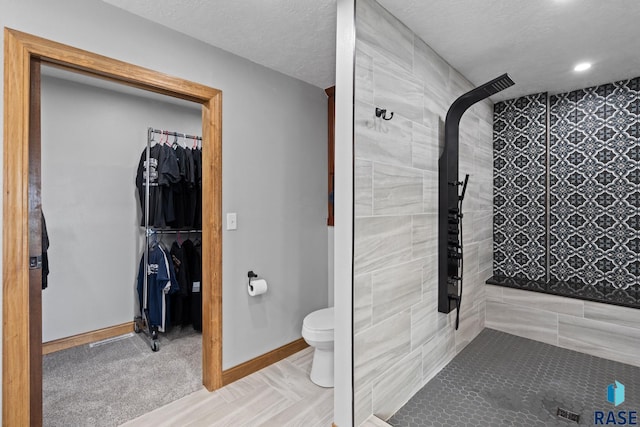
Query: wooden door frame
(17, 304)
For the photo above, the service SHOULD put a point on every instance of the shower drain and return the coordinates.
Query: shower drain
(568, 415)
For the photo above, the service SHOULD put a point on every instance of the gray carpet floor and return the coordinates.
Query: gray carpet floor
(115, 382)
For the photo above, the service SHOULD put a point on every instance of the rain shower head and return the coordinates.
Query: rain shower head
(465, 101)
(498, 84)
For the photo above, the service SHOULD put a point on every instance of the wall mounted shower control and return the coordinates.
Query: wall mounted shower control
(450, 197)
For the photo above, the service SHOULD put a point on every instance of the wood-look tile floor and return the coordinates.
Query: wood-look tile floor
(279, 395)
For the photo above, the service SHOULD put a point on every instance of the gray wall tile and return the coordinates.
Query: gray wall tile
(470, 265)
(362, 305)
(469, 326)
(396, 190)
(468, 222)
(600, 339)
(426, 321)
(540, 301)
(430, 277)
(430, 192)
(404, 152)
(523, 321)
(482, 314)
(472, 292)
(483, 225)
(363, 404)
(380, 140)
(435, 99)
(395, 289)
(483, 186)
(485, 252)
(397, 91)
(437, 352)
(380, 346)
(396, 386)
(364, 184)
(383, 32)
(623, 316)
(458, 83)
(429, 67)
(364, 76)
(425, 235)
(381, 242)
(425, 150)
(484, 153)
(494, 293)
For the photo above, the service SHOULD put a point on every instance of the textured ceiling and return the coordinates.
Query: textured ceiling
(295, 37)
(536, 42)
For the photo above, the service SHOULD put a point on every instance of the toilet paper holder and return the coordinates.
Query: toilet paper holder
(251, 275)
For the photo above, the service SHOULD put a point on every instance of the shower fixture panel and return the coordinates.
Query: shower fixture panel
(451, 192)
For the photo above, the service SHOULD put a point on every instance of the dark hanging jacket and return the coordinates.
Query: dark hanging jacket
(45, 257)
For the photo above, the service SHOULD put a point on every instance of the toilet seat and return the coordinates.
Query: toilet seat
(318, 326)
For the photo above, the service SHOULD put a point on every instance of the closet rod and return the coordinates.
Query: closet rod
(182, 135)
(151, 232)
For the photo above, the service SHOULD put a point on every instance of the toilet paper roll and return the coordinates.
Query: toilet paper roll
(257, 287)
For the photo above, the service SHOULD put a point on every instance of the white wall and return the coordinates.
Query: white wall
(274, 162)
(92, 139)
(343, 229)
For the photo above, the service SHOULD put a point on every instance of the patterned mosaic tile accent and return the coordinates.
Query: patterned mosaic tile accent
(595, 189)
(519, 147)
(504, 380)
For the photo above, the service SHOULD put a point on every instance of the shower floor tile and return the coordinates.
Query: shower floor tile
(504, 380)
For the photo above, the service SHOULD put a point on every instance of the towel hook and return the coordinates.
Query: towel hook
(381, 112)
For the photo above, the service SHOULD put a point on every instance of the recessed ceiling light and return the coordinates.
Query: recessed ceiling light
(583, 66)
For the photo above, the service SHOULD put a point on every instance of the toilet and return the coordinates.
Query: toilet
(317, 331)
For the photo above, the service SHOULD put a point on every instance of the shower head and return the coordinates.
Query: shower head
(465, 101)
(498, 84)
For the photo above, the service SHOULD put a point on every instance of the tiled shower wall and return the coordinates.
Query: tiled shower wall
(567, 193)
(401, 340)
(595, 190)
(520, 195)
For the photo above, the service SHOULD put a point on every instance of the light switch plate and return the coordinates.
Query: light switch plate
(232, 221)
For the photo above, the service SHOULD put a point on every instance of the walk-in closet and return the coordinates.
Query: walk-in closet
(169, 184)
(121, 194)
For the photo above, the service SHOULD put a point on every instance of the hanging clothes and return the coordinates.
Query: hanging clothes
(175, 186)
(190, 189)
(163, 171)
(45, 257)
(161, 282)
(193, 254)
(197, 214)
(181, 301)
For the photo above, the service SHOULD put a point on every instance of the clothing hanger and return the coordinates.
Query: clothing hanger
(153, 242)
(175, 141)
